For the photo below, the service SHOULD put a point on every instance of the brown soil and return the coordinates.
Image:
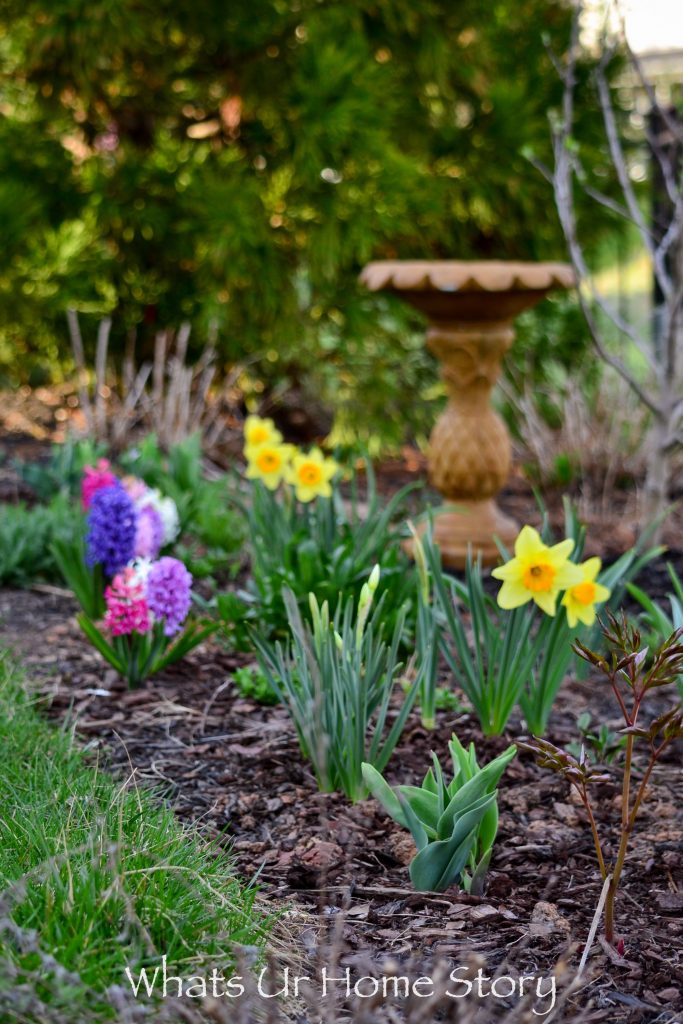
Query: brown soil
(234, 767)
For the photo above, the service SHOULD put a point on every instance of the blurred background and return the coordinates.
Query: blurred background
(218, 174)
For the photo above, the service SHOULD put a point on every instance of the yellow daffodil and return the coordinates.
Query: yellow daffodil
(310, 475)
(269, 462)
(581, 599)
(537, 572)
(257, 432)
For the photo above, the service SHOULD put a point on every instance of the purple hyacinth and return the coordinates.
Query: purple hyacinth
(112, 524)
(168, 593)
(149, 534)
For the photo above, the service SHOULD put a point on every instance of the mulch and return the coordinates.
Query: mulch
(234, 767)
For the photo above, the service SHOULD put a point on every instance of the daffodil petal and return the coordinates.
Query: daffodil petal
(568, 575)
(571, 616)
(546, 601)
(512, 595)
(511, 570)
(559, 553)
(528, 543)
(591, 567)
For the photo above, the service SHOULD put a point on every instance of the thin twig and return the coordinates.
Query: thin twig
(594, 925)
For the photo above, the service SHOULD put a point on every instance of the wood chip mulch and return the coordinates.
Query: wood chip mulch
(234, 768)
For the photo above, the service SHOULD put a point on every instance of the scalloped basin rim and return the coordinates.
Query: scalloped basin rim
(466, 276)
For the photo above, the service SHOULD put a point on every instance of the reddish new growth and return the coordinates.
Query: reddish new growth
(631, 673)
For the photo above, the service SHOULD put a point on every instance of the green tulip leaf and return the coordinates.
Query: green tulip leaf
(383, 793)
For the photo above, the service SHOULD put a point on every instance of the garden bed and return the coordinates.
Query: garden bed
(234, 767)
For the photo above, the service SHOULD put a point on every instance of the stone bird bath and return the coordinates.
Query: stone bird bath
(470, 308)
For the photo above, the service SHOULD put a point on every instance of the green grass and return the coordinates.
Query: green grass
(97, 875)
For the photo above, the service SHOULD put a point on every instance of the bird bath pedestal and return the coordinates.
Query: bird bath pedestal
(470, 308)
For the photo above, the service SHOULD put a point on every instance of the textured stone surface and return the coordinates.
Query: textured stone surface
(470, 307)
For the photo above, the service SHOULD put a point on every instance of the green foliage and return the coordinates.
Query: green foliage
(446, 700)
(236, 617)
(213, 530)
(454, 824)
(176, 473)
(84, 581)
(631, 672)
(239, 167)
(138, 656)
(324, 547)
(657, 622)
(96, 876)
(605, 744)
(426, 636)
(337, 679)
(27, 539)
(253, 683)
(503, 658)
(552, 350)
(490, 652)
(62, 472)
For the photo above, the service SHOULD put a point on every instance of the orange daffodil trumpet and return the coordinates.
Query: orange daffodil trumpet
(540, 572)
(272, 462)
(581, 599)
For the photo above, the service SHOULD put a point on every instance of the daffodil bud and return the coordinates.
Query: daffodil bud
(420, 563)
(313, 605)
(339, 642)
(365, 597)
(373, 582)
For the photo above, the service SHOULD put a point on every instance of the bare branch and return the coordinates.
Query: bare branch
(619, 162)
(562, 182)
(565, 207)
(672, 125)
(672, 233)
(79, 359)
(607, 202)
(101, 377)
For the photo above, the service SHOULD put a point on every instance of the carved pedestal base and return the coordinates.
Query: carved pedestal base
(470, 308)
(471, 525)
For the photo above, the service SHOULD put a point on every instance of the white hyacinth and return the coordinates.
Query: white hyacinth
(168, 513)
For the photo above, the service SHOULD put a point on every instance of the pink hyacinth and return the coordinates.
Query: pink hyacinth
(94, 479)
(127, 609)
(135, 488)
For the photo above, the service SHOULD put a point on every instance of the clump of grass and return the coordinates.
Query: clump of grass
(26, 539)
(96, 876)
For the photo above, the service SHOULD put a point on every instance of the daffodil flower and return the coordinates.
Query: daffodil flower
(537, 572)
(257, 432)
(310, 475)
(269, 463)
(581, 599)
